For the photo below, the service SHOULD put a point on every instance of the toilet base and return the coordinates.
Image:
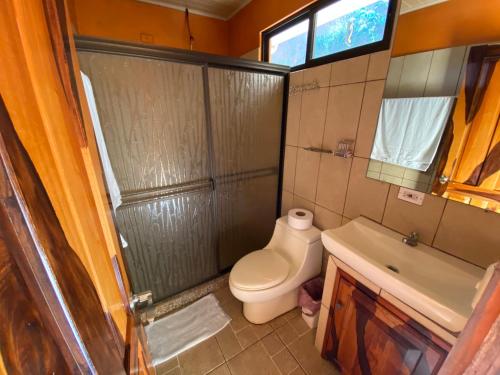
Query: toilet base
(263, 312)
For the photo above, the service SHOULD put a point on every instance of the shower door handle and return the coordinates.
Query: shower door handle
(141, 299)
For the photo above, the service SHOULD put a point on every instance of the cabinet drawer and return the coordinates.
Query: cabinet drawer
(366, 335)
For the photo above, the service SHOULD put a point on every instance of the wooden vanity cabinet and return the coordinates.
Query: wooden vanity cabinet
(367, 335)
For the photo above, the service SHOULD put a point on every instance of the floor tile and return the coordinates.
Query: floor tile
(235, 311)
(221, 370)
(278, 322)
(272, 344)
(262, 330)
(299, 325)
(174, 371)
(298, 371)
(285, 362)
(292, 313)
(246, 337)
(201, 359)
(231, 303)
(253, 360)
(309, 358)
(223, 295)
(228, 342)
(287, 333)
(165, 367)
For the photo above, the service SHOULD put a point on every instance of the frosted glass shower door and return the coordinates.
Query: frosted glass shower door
(153, 117)
(246, 116)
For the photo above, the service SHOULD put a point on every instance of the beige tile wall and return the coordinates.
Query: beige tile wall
(346, 106)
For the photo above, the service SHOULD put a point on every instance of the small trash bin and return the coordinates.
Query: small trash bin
(310, 294)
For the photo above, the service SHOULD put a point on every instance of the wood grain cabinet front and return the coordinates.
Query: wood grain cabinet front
(367, 335)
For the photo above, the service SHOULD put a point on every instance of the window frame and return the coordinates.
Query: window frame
(310, 13)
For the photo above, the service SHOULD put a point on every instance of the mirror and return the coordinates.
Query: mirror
(438, 128)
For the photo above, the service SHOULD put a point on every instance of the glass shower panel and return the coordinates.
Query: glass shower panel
(168, 255)
(152, 114)
(246, 110)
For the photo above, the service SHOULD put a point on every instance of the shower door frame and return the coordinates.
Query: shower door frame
(206, 61)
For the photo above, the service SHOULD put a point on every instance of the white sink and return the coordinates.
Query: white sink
(437, 285)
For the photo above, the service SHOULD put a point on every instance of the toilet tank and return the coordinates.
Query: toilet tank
(297, 246)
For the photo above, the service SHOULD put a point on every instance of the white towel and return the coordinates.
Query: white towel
(185, 328)
(410, 129)
(113, 189)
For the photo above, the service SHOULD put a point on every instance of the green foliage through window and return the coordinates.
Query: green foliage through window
(339, 26)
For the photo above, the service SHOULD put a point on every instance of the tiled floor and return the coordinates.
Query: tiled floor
(283, 346)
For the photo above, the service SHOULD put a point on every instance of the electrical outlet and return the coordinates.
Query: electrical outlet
(412, 196)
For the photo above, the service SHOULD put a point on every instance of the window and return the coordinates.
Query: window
(288, 47)
(329, 31)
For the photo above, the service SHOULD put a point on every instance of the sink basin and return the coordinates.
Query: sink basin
(439, 286)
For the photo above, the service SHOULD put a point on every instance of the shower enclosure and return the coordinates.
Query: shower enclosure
(195, 144)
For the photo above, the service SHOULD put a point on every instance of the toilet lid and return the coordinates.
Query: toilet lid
(259, 270)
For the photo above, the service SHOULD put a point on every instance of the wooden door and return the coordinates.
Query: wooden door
(41, 105)
(63, 309)
(365, 337)
(52, 320)
(59, 296)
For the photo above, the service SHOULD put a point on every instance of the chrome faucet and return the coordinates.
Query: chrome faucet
(411, 240)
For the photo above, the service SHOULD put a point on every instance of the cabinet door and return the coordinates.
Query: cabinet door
(370, 339)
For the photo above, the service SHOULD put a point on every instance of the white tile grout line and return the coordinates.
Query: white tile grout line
(288, 348)
(359, 117)
(285, 349)
(353, 151)
(274, 331)
(322, 142)
(298, 135)
(439, 224)
(386, 203)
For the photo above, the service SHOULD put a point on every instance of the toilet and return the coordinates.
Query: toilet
(267, 281)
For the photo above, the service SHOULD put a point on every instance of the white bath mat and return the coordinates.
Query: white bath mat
(185, 328)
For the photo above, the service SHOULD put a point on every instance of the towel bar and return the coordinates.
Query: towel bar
(317, 149)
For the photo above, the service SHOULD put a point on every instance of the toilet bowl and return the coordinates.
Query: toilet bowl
(267, 281)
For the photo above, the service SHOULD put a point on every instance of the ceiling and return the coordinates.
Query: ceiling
(221, 9)
(408, 6)
(225, 9)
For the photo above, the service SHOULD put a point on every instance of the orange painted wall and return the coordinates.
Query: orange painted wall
(126, 19)
(453, 23)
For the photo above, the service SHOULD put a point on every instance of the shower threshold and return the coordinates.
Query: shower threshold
(182, 299)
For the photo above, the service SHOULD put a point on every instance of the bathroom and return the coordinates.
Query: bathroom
(250, 187)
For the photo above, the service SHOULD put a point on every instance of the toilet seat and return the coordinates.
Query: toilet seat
(261, 269)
